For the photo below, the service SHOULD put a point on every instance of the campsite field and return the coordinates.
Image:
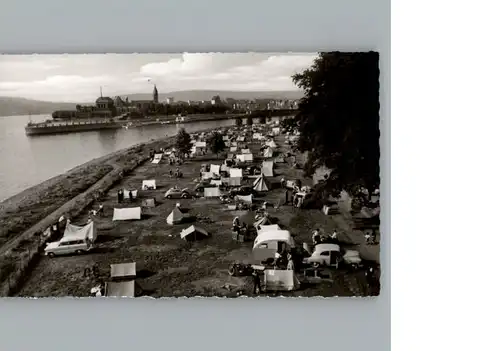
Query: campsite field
(169, 266)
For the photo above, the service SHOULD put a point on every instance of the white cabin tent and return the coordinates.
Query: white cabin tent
(120, 289)
(217, 182)
(267, 168)
(235, 173)
(175, 217)
(268, 153)
(193, 233)
(126, 193)
(245, 157)
(157, 158)
(125, 214)
(233, 149)
(248, 199)
(272, 239)
(215, 169)
(148, 184)
(75, 232)
(260, 184)
(232, 181)
(123, 271)
(280, 280)
(211, 192)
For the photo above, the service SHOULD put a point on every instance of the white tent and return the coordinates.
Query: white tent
(224, 168)
(235, 173)
(233, 149)
(157, 158)
(123, 270)
(227, 143)
(268, 152)
(260, 184)
(148, 184)
(276, 130)
(225, 137)
(200, 144)
(120, 289)
(257, 136)
(127, 192)
(215, 169)
(232, 181)
(245, 157)
(270, 239)
(245, 198)
(175, 217)
(246, 151)
(75, 232)
(217, 182)
(267, 168)
(280, 280)
(240, 138)
(206, 175)
(211, 192)
(193, 233)
(124, 214)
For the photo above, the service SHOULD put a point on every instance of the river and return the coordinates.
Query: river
(27, 161)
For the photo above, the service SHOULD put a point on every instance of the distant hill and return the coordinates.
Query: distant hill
(198, 95)
(13, 106)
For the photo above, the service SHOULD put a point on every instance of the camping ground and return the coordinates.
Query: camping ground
(169, 266)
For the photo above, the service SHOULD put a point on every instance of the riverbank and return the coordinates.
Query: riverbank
(167, 265)
(23, 217)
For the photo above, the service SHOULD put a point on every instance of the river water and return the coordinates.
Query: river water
(27, 161)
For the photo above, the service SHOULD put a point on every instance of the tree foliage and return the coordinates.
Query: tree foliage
(262, 119)
(239, 121)
(249, 120)
(216, 143)
(338, 119)
(183, 142)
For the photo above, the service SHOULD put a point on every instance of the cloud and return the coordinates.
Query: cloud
(78, 77)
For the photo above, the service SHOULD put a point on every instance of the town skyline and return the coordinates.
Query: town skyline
(78, 78)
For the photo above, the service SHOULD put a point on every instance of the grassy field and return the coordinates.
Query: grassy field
(169, 266)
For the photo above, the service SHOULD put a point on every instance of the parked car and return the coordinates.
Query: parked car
(177, 193)
(67, 246)
(242, 190)
(200, 187)
(324, 255)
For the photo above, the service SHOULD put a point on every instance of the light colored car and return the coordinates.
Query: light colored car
(67, 246)
(177, 193)
(325, 255)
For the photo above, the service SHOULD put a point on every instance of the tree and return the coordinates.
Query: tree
(262, 119)
(338, 119)
(183, 142)
(239, 121)
(216, 143)
(249, 120)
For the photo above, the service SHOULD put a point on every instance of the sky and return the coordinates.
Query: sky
(75, 78)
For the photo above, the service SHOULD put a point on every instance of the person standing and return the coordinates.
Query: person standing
(286, 197)
(256, 282)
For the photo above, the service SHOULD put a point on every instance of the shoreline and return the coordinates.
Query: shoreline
(20, 249)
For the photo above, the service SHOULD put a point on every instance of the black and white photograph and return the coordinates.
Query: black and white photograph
(190, 175)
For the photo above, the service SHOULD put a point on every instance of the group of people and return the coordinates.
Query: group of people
(121, 195)
(292, 196)
(318, 237)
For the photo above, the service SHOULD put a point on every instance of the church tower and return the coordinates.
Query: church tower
(155, 95)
